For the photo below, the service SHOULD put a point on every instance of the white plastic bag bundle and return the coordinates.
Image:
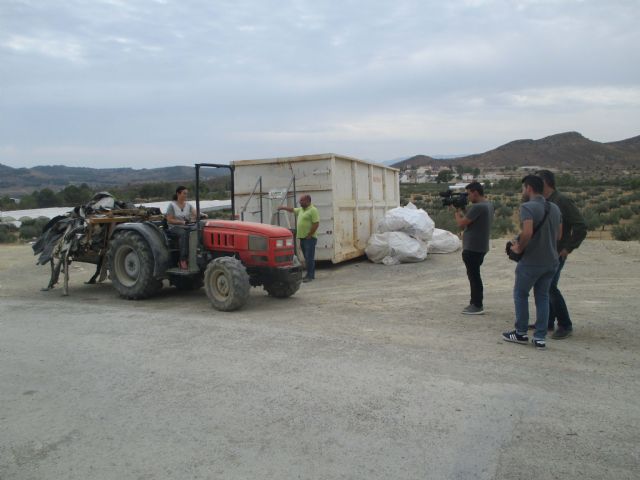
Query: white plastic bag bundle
(392, 248)
(410, 220)
(443, 241)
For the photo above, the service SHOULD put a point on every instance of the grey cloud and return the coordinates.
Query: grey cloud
(125, 76)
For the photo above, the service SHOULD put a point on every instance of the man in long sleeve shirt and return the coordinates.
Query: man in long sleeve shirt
(574, 231)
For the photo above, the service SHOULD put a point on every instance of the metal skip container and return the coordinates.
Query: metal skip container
(351, 195)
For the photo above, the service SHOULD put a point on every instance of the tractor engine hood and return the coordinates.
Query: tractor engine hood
(250, 227)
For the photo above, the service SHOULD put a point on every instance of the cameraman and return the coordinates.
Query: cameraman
(475, 242)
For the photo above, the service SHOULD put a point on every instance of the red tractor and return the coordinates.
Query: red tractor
(226, 256)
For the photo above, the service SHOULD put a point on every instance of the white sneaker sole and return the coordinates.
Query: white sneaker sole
(519, 342)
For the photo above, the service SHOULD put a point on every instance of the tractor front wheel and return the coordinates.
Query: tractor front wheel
(286, 287)
(227, 284)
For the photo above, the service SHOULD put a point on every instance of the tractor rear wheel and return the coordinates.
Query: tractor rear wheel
(227, 283)
(131, 266)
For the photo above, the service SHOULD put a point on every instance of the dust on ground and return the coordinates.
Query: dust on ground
(368, 372)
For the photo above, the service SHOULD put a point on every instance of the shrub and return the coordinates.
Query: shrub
(444, 220)
(501, 226)
(612, 219)
(592, 220)
(504, 212)
(27, 232)
(626, 233)
(626, 213)
(5, 234)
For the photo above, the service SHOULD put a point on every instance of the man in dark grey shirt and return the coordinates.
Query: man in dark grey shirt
(541, 229)
(574, 231)
(475, 242)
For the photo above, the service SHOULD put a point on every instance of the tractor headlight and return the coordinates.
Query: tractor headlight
(257, 243)
(289, 242)
(279, 243)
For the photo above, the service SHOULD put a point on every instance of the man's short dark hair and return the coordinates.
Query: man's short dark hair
(475, 187)
(534, 182)
(548, 177)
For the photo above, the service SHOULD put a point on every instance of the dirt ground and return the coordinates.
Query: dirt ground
(370, 372)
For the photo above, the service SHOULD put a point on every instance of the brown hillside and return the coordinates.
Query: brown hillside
(630, 145)
(564, 151)
(416, 161)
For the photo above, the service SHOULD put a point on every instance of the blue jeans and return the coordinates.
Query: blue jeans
(308, 246)
(539, 278)
(557, 307)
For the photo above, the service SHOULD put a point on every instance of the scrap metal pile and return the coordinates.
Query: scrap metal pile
(83, 235)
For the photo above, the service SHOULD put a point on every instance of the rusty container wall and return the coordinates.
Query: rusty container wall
(351, 196)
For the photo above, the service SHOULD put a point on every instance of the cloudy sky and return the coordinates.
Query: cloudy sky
(148, 83)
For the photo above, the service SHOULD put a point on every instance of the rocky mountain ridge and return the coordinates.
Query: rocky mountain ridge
(17, 181)
(564, 151)
(568, 151)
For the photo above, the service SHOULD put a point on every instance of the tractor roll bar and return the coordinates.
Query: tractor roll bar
(213, 165)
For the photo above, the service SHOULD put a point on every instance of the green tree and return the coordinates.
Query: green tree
(7, 203)
(626, 213)
(444, 176)
(27, 202)
(73, 195)
(46, 198)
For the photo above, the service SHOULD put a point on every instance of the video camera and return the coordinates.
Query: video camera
(458, 200)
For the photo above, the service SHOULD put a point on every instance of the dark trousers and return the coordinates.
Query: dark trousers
(182, 234)
(557, 307)
(473, 260)
(308, 247)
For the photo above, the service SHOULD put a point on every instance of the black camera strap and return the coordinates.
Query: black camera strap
(547, 208)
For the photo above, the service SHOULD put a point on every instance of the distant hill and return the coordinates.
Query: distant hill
(564, 151)
(17, 181)
(417, 161)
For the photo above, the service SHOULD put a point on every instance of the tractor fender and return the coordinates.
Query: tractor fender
(156, 240)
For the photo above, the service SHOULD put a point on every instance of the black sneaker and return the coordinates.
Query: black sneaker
(561, 333)
(532, 326)
(472, 310)
(515, 337)
(539, 344)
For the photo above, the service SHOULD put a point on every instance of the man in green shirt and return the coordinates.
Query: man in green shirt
(574, 230)
(308, 220)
